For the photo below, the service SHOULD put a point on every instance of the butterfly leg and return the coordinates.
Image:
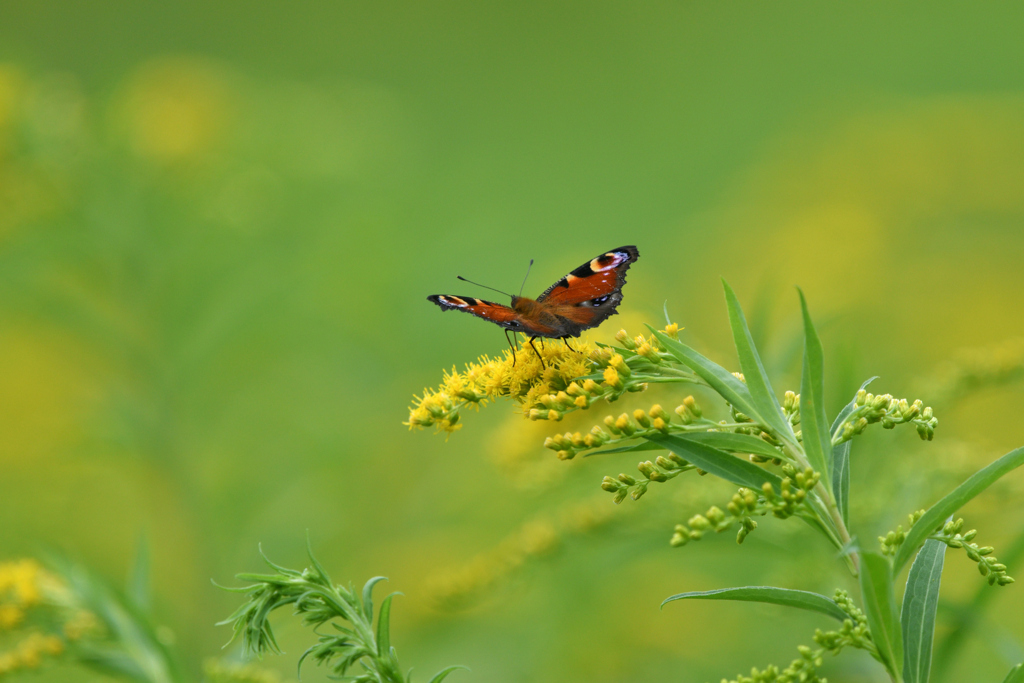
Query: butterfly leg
(566, 340)
(541, 358)
(512, 346)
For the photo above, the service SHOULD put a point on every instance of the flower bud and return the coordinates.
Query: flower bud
(610, 423)
(619, 363)
(623, 338)
(626, 479)
(625, 425)
(699, 523)
(610, 485)
(611, 377)
(641, 417)
(692, 406)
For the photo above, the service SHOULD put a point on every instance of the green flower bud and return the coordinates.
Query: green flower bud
(626, 479)
(609, 422)
(610, 485)
(699, 523)
(715, 515)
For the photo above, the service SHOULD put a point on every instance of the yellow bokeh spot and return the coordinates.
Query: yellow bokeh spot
(175, 110)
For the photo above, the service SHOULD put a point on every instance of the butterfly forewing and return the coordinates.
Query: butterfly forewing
(601, 276)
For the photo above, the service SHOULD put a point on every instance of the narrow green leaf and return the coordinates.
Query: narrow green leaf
(736, 443)
(727, 441)
(1016, 674)
(639, 446)
(953, 501)
(813, 422)
(384, 626)
(717, 462)
(717, 377)
(443, 674)
(841, 458)
(368, 596)
(753, 370)
(920, 601)
(880, 608)
(814, 602)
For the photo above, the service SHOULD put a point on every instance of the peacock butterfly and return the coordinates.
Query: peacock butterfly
(584, 298)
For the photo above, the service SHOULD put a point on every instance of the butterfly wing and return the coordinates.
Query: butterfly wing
(488, 310)
(587, 296)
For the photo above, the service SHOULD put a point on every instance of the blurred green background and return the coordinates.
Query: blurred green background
(219, 223)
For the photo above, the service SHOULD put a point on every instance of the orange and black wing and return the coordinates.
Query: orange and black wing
(587, 296)
(488, 310)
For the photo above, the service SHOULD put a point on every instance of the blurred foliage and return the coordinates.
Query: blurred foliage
(218, 225)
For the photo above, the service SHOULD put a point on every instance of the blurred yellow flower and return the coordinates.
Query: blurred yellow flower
(175, 110)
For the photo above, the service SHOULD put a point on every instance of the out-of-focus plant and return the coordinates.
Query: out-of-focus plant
(350, 614)
(787, 457)
(64, 613)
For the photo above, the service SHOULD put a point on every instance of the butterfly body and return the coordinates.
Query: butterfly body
(584, 298)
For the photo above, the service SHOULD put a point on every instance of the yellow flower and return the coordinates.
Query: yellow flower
(533, 380)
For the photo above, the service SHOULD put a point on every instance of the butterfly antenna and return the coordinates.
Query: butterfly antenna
(528, 268)
(484, 286)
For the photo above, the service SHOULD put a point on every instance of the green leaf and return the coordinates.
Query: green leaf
(813, 423)
(1016, 674)
(443, 674)
(813, 602)
(640, 446)
(717, 377)
(368, 596)
(717, 462)
(727, 441)
(920, 601)
(953, 501)
(758, 385)
(736, 443)
(841, 458)
(384, 626)
(881, 611)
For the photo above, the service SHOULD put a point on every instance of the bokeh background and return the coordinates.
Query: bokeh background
(219, 223)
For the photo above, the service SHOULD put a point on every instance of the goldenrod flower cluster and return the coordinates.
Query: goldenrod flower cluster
(890, 412)
(853, 633)
(625, 426)
(747, 504)
(19, 590)
(801, 670)
(21, 584)
(541, 384)
(950, 534)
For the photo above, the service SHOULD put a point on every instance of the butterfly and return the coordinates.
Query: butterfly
(584, 298)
